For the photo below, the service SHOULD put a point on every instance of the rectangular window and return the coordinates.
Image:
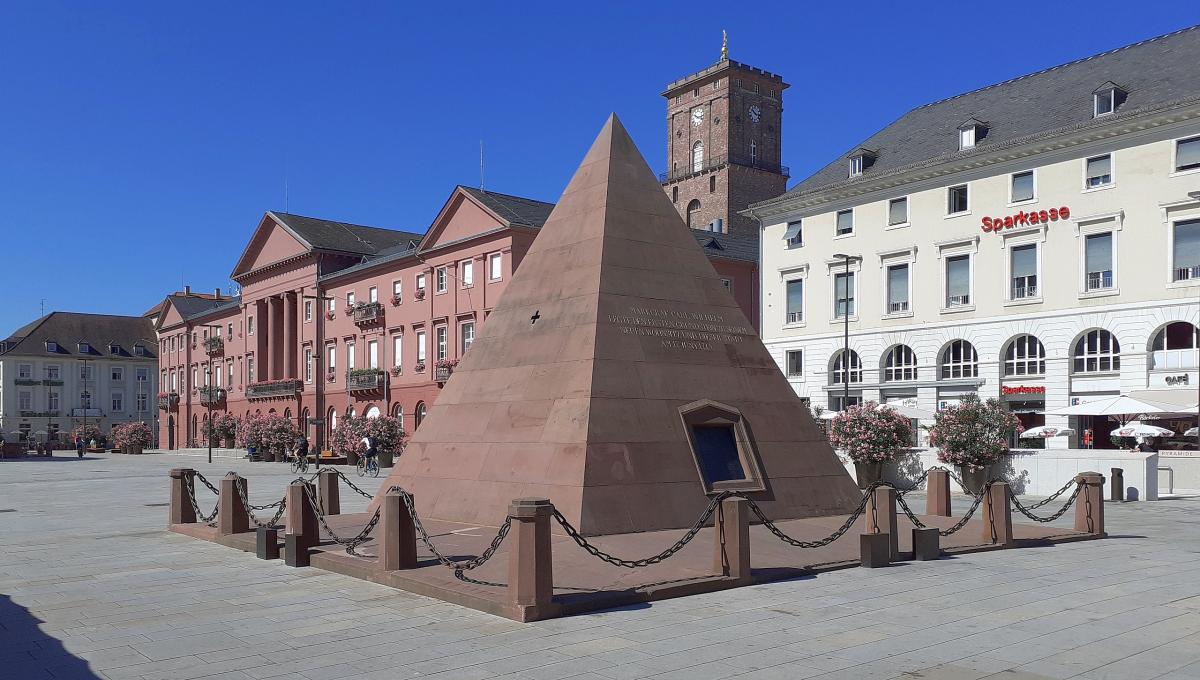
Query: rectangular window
(118, 402)
(85, 399)
(495, 266)
(856, 166)
(142, 375)
(1104, 102)
(331, 358)
(1024, 272)
(897, 292)
(1187, 154)
(468, 274)
(845, 222)
(795, 363)
(52, 401)
(397, 289)
(794, 234)
(250, 324)
(25, 401)
(308, 309)
(331, 304)
(957, 200)
(958, 281)
(897, 211)
(1022, 187)
(143, 402)
(397, 350)
(195, 376)
(440, 334)
(795, 301)
(85, 372)
(372, 294)
(420, 282)
(467, 332)
(174, 382)
(350, 299)
(966, 137)
(117, 373)
(350, 356)
(1098, 172)
(230, 329)
(372, 354)
(440, 281)
(1185, 251)
(1098, 261)
(421, 347)
(250, 369)
(25, 371)
(229, 374)
(308, 364)
(217, 375)
(843, 290)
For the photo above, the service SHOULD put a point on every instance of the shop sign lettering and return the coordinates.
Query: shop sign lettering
(1023, 389)
(1025, 219)
(1177, 379)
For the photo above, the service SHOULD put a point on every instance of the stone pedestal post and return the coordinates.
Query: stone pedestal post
(303, 532)
(231, 513)
(1117, 485)
(997, 515)
(328, 498)
(1089, 506)
(874, 550)
(398, 537)
(731, 539)
(937, 493)
(926, 543)
(880, 517)
(530, 566)
(181, 510)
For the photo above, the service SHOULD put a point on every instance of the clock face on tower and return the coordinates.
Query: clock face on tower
(755, 113)
(697, 117)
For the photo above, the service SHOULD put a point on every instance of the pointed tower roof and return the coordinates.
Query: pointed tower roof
(618, 378)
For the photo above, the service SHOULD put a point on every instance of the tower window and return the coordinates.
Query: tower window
(696, 92)
(697, 156)
(693, 213)
(712, 183)
(753, 152)
(674, 194)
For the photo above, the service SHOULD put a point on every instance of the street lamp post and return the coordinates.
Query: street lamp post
(845, 327)
(208, 403)
(318, 376)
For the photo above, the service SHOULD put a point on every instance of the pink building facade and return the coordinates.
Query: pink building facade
(335, 319)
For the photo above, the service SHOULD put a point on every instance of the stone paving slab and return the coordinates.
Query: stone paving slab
(1012, 614)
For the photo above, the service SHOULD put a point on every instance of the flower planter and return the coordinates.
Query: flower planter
(974, 480)
(135, 449)
(352, 458)
(280, 455)
(228, 442)
(385, 459)
(868, 473)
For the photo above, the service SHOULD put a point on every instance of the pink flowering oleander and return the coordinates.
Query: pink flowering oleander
(869, 433)
(349, 433)
(973, 434)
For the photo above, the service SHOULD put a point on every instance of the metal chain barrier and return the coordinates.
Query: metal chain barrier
(206, 483)
(1054, 495)
(457, 567)
(1043, 520)
(210, 520)
(350, 484)
(281, 504)
(350, 543)
(841, 531)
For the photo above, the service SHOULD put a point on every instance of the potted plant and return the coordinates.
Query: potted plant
(225, 426)
(973, 435)
(389, 438)
(118, 437)
(871, 436)
(396, 300)
(137, 437)
(419, 294)
(330, 315)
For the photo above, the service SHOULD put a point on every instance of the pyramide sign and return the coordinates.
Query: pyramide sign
(618, 378)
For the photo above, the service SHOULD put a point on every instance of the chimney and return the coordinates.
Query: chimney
(218, 294)
(187, 290)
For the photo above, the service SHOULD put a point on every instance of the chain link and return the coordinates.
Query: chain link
(1043, 520)
(350, 484)
(841, 531)
(274, 522)
(210, 520)
(457, 567)
(1054, 495)
(206, 483)
(970, 512)
(350, 543)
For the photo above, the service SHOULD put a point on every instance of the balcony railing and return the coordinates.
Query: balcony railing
(795, 317)
(1175, 359)
(692, 168)
(897, 307)
(958, 300)
(214, 345)
(168, 401)
(366, 379)
(1099, 280)
(211, 395)
(368, 312)
(1186, 273)
(27, 381)
(1024, 287)
(273, 389)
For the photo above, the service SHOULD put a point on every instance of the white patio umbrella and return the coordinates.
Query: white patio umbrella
(829, 415)
(1046, 431)
(911, 412)
(1136, 429)
(1120, 406)
(1193, 432)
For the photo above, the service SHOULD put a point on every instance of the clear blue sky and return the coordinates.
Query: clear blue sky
(140, 142)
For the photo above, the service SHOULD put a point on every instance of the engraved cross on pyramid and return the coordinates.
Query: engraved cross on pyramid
(618, 378)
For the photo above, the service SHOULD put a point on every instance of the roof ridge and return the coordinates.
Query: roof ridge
(337, 222)
(1059, 66)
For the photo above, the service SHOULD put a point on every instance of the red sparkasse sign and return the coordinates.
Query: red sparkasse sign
(1023, 389)
(1024, 219)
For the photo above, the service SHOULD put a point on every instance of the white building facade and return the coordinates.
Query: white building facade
(1036, 241)
(67, 369)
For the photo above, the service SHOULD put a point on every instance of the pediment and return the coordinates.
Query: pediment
(272, 242)
(460, 218)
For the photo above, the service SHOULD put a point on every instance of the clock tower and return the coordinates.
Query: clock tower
(723, 144)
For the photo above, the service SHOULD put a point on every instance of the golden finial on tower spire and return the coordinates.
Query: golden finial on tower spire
(724, 45)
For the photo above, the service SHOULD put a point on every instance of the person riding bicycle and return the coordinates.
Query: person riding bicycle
(372, 453)
(301, 453)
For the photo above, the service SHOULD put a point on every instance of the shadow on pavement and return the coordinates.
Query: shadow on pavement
(62, 457)
(31, 653)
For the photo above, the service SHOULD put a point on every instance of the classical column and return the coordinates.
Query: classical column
(260, 341)
(289, 335)
(271, 328)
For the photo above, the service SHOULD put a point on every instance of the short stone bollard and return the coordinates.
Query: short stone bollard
(530, 565)
(731, 539)
(398, 537)
(302, 530)
(328, 498)
(997, 515)
(879, 517)
(1116, 485)
(875, 550)
(1089, 506)
(266, 543)
(231, 512)
(937, 493)
(181, 509)
(926, 543)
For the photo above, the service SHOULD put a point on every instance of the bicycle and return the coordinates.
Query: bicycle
(368, 466)
(299, 464)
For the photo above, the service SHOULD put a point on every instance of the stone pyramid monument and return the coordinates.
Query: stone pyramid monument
(618, 378)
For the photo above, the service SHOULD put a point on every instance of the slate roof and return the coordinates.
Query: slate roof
(517, 210)
(1156, 73)
(190, 305)
(342, 236)
(68, 329)
(728, 246)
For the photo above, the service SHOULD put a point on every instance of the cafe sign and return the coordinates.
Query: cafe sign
(1025, 219)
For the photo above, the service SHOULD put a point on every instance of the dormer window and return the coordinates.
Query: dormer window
(114, 349)
(85, 348)
(51, 346)
(1106, 99)
(970, 133)
(860, 160)
(139, 350)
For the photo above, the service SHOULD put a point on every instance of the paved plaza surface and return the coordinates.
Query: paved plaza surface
(93, 586)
